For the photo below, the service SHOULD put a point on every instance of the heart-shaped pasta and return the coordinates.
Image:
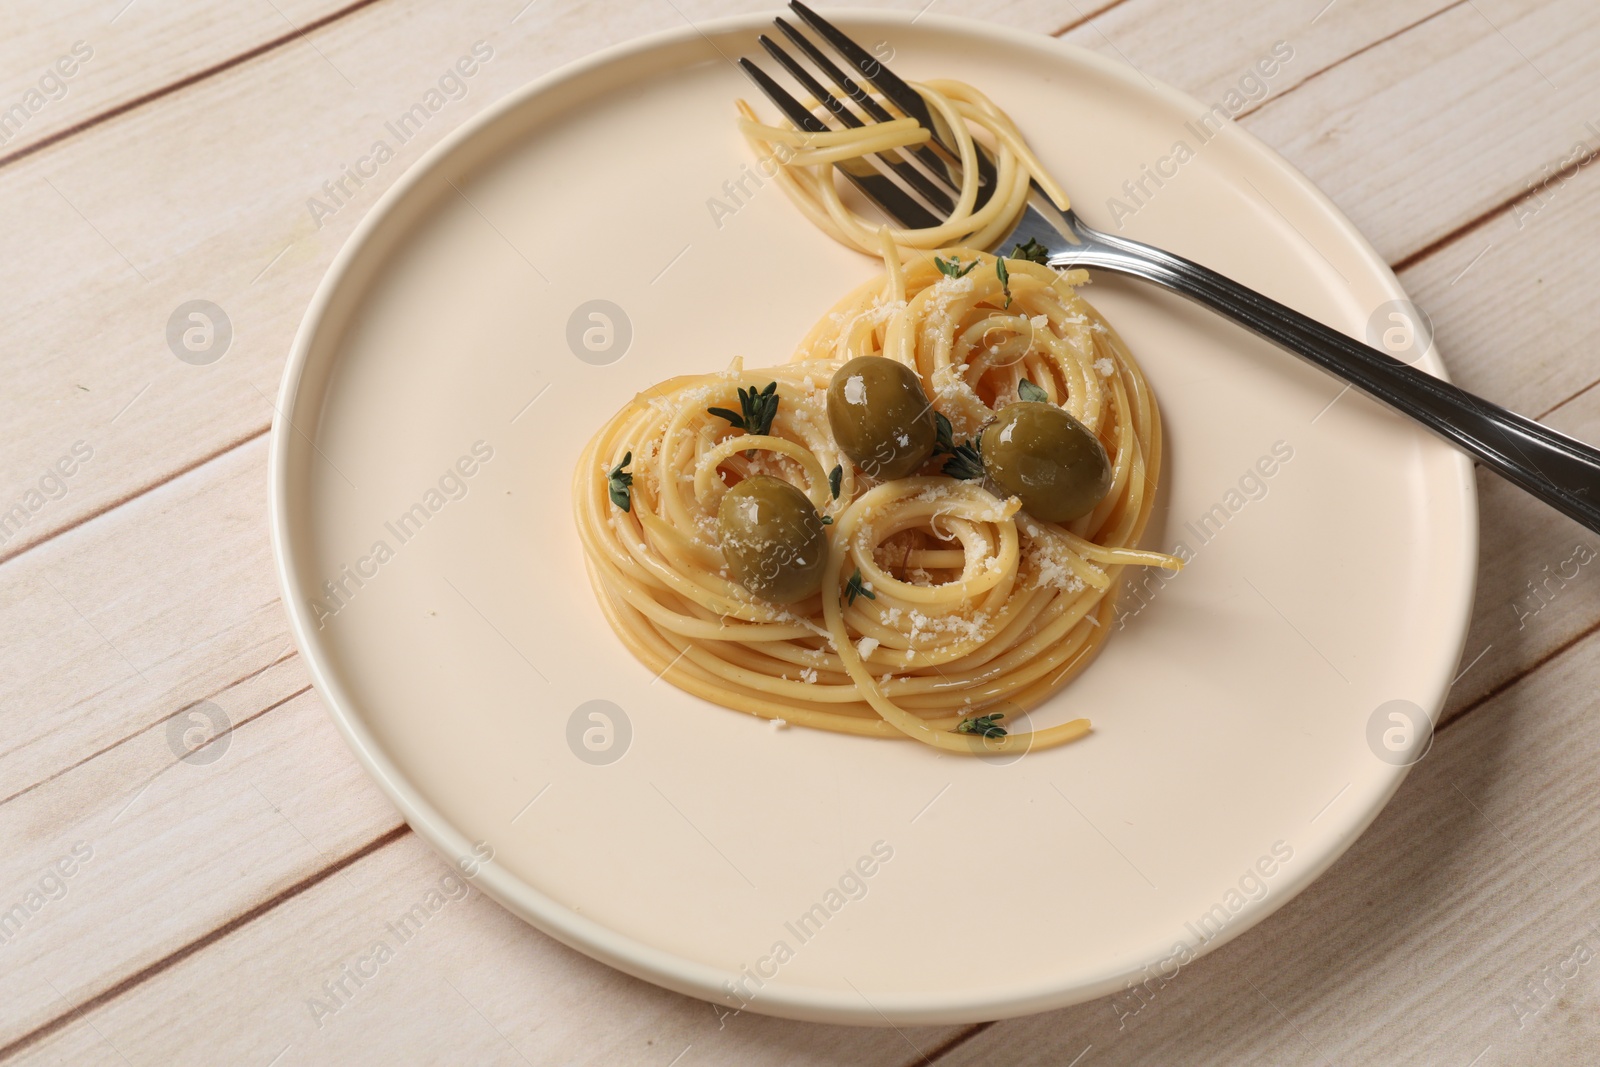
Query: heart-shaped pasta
(944, 607)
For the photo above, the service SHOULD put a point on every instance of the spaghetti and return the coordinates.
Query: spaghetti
(944, 606)
(808, 160)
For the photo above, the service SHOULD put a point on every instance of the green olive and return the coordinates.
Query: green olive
(772, 539)
(880, 416)
(1049, 460)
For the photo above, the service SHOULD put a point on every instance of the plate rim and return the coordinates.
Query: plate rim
(594, 939)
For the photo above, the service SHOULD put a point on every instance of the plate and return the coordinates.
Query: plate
(603, 229)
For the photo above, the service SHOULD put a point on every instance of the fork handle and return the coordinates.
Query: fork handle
(1560, 470)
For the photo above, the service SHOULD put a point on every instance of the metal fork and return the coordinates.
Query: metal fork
(1561, 471)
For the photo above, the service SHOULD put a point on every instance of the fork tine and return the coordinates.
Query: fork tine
(831, 69)
(888, 196)
(884, 80)
(889, 84)
(810, 84)
(940, 199)
(926, 156)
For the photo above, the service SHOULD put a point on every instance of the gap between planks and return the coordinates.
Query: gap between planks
(134, 494)
(315, 878)
(172, 959)
(232, 726)
(310, 881)
(117, 110)
(1084, 20)
(940, 1051)
(1406, 262)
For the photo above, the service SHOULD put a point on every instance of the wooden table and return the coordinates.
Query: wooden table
(205, 911)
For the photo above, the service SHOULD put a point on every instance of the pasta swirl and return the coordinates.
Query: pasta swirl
(808, 161)
(941, 600)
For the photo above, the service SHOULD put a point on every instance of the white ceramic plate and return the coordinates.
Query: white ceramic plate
(1230, 762)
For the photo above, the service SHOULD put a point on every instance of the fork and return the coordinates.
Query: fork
(1560, 470)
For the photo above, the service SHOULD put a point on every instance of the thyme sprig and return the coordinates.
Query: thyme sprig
(756, 411)
(619, 482)
(984, 725)
(1032, 251)
(952, 268)
(965, 462)
(966, 459)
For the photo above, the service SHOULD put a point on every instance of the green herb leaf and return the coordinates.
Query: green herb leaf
(856, 587)
(762, 408)
(965, 462)
(827, 520)
(834, 477)
(619, 482)
(952, 268)
(1032, 251)
(1005, 277)
(945, 435)
(983, 725)
(1026, 390)
(757, 410)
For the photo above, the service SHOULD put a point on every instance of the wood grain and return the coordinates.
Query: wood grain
(178, 167)
(1418, 946)
(100, 650)
(473, 985)
(212, 202)
(1149, 35)
(113, 652)
(235, 228)
(1423, 134)
(74, 63)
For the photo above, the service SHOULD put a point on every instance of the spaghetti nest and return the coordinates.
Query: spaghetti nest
(805, 163)
(944, 606)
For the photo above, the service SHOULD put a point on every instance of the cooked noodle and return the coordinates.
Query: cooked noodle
(974, 607)
(807, 176)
